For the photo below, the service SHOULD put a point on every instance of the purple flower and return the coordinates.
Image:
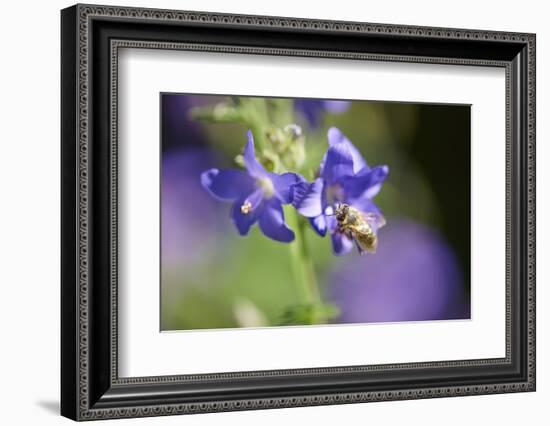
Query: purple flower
(344, 177)
(181, 227)
(257, 195)
(313, 109)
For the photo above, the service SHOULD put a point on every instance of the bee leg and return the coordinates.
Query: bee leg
(359, 248)
(347, 233)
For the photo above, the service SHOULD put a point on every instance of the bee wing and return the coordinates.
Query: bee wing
(375, 220)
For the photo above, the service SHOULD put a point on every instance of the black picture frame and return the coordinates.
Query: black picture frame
(90, 386)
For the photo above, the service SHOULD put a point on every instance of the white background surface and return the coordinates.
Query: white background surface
(146, 352)
(29, 225)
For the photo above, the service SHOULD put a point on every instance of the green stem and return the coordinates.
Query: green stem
(302, 266)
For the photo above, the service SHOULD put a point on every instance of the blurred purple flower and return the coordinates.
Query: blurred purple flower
(313, 109)
(257, 195)
(414, 277)
(177, 126)
(185, 224)
(344, 177)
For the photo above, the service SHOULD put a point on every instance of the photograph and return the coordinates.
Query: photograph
(298, 211)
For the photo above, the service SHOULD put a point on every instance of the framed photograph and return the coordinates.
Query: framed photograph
(263, 212)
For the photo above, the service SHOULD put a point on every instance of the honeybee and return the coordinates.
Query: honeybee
(360, 227)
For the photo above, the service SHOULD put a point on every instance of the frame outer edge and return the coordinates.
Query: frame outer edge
(69, 281)
(81, 318)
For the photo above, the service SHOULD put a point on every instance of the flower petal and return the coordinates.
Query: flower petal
(307, 197)
(332, 223)
(336, 137)
(337, 164)
(365, 183)
(365, 205)
(319, 224)
(242, 220)
(341, 244)
(272, 222)
(381, 176)
(255, 169)
(227, 184)
(283, 184)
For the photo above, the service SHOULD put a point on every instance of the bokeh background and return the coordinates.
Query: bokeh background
(213, 278)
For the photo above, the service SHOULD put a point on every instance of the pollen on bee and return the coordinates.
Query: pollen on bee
(246, 207)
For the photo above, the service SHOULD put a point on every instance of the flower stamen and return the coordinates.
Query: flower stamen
(246, 207)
